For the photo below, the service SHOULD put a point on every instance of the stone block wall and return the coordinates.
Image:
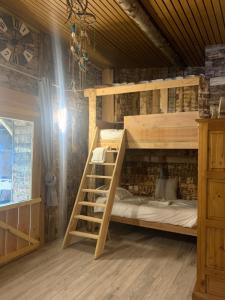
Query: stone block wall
(142, 168)
(181, 99)
(215, 70)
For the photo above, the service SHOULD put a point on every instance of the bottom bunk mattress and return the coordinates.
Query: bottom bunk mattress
(175, 212)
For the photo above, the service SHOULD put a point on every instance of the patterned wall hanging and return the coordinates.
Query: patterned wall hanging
(82, 37)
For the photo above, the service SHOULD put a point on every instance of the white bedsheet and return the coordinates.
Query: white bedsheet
(111, 134)
(177, 212)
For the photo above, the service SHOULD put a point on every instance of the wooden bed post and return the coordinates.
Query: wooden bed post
(92, 115)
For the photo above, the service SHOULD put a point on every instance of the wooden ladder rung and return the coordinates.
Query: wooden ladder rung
(84, 234)
(102, 164)
(88, 218)
(96, 191)
(112, 151)
(99, 176)
(92, 204)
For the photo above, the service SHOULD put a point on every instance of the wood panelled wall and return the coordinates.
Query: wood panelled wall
(20, 229)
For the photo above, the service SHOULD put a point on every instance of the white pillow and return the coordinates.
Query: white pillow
(171, 189)
(102, 188)
(160, 189)
(122, 193)
(166, 189)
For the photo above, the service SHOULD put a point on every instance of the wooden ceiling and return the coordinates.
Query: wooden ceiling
(188, 25)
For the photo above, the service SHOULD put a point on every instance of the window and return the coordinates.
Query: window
(16, 149)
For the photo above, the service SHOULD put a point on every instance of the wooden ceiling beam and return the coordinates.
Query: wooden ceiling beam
(135, 11)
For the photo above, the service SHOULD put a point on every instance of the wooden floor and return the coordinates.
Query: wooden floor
(139, 264)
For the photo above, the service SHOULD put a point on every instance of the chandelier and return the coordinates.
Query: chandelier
(81, 24)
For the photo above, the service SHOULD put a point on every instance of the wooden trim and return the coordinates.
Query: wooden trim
(141, 87)
(202, 196)
(20, 229)
(19, 204)
(202, 296)
(18, 233)
(162, 145)
(156, 225)
(17, 253)
(92, 116)
(162, 131)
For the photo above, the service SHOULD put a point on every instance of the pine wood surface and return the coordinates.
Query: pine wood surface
(211, 211)
(138, 264)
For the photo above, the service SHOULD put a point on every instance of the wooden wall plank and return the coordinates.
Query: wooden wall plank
(12, 219)
(23, 224)
(2, 235)
(17, 220)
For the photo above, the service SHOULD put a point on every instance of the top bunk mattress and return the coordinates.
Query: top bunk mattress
(175, 212)
(111, 134)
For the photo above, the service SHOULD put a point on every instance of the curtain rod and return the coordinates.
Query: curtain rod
(33, 77)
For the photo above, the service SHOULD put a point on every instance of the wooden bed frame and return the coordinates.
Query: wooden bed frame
(156, 131)
(156, 225)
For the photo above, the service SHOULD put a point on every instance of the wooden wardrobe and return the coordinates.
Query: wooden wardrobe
(211, 211)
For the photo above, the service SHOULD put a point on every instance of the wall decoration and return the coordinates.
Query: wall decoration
(18, 43)
(81, 22)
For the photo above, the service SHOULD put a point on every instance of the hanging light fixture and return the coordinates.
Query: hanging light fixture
(81, 24)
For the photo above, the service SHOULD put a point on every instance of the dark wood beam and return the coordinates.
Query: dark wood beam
(136, 12)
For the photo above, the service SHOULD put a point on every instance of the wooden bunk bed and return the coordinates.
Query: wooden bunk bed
(155, 131)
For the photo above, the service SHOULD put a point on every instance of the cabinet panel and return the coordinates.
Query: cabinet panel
(215, 286)
(216, 150)
(215, 253)
(216, 199)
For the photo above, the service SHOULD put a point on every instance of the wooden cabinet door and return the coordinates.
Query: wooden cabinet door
(216, 199)
(216, 286)
(216, 150)
(215, 248)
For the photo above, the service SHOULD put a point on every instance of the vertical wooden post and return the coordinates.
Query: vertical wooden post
(164, 100)
(179, 99)
(156, 101)
(145, 103)
(108, 107)
(92, 116)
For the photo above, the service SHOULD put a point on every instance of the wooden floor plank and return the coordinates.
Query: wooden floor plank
(138, 264)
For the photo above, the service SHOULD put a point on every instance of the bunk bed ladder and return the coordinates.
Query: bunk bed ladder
(103, 221)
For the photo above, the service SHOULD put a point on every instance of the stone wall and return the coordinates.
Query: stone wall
(215, 70)
(181, 99)
(142, 168)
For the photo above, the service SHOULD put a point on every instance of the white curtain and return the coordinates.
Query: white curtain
(46, 111)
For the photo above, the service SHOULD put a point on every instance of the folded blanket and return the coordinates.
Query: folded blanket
(111, 134)
(159, 203)
(99, 155)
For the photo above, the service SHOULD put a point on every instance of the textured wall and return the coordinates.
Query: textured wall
(141, 169)
(181, 99)
(215, 69)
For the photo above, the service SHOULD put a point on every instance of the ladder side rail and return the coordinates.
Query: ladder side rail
(80, 195)
(107, 212)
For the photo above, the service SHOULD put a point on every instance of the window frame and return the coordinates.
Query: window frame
(23, 106)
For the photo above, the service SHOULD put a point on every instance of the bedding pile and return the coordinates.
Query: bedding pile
(111, 134)
(175, 212)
